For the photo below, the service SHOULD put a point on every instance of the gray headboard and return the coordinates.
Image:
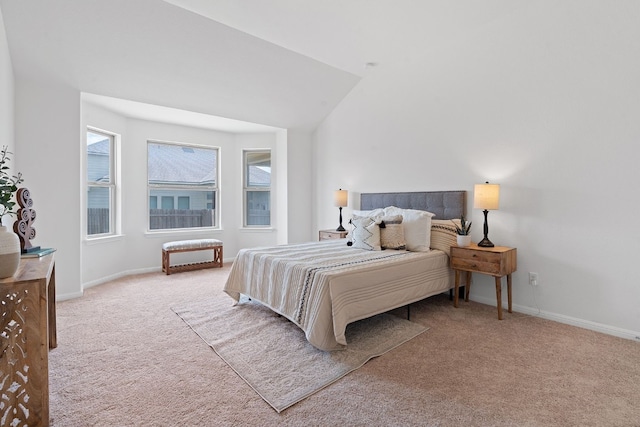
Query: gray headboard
(445, 204)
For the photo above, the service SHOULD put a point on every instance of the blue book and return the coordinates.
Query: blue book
(39, 253)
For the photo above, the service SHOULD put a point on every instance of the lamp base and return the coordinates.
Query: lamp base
(485, 243)
(340, 228)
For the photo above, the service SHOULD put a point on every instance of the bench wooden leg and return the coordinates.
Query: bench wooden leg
(217, 255)
(166, 262)
(216, 262)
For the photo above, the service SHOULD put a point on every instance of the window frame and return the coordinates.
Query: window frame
(215, 188)
(253, 188)
(112, 185)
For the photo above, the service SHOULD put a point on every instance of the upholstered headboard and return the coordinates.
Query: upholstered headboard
(444, 204)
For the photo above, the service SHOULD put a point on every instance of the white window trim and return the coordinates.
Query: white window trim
(246, 188)
(114, 187)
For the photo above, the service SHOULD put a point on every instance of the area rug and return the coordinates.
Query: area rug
(272, 354)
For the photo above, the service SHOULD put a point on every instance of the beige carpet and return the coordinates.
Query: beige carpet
(272, 354)
(125, 359)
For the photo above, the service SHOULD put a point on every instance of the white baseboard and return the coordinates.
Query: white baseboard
(87, 285)
(64, 297)
(568, 320)
(119, 275)
(106, 279)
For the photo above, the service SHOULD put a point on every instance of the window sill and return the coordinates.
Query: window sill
(103, 239)
(183, 232)
(257, 230)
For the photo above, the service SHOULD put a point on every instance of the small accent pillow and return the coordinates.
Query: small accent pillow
(416, 225)
(374, 213)
(366, 233)
(391, 232)
(443, 234)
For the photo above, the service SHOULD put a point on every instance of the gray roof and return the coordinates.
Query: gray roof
(180, 164)
(259, 176)
(99, 148)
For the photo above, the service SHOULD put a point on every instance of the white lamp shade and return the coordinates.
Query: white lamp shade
(486, 196)
(341, 198)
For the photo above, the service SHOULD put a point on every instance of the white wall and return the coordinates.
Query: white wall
(299, 185)
(137, 250)
(6, 100)
(545, 103)
(47, 131)
(40, 123)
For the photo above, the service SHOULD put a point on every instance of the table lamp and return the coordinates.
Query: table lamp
(340, 198)
(486, 196)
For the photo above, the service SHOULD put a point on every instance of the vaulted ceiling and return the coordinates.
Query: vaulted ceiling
(282, 63)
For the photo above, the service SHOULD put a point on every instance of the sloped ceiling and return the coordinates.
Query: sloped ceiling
(153, 52)
(282, 63)
(348, 34)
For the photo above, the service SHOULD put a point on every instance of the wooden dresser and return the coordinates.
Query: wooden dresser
(28, 331)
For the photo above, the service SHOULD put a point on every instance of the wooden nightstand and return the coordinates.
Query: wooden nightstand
(497, 262)
(331, 234)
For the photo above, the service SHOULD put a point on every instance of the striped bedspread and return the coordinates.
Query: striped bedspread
(315, 285)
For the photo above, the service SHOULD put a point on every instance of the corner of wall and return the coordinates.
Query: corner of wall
(7, 118)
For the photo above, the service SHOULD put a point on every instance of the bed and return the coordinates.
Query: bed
(324, 286)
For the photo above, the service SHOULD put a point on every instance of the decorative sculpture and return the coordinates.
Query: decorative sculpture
(23, 227)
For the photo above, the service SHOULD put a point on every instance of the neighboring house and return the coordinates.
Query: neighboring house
(178, 165)
(259, 203)
(97, 171)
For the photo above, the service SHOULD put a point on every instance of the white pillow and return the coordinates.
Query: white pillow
(372, 213)
(366, 233)
(416, 225)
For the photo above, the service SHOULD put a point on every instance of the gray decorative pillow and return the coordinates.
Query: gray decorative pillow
(392, 232)
(366, 233)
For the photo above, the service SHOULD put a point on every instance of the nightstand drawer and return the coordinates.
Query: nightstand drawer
(486, 261)
(475, 255)
(331, 234)
(476, 265)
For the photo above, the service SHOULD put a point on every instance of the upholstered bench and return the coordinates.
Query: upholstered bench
(191, 246)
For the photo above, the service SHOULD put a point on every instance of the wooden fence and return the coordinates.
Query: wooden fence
(97, 221)
(159, 219)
